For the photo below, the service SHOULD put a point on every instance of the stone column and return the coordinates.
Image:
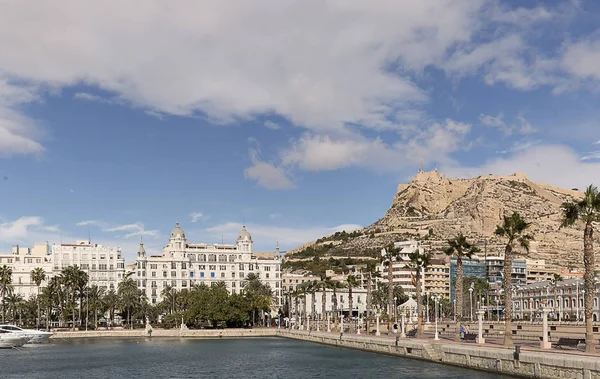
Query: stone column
(480, 339)
(377, 326)
(403, 333)
(544, 343)
(328, 324)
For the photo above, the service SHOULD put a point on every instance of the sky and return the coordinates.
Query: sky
(297, 118)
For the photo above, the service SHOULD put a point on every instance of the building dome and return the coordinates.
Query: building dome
(244, 234)
(177, 232)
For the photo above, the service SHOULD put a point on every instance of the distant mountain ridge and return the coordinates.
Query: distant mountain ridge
(434, 208)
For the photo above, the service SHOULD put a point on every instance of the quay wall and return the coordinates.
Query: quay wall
(531, 364)
(202, 333)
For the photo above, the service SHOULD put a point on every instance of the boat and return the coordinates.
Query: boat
(31, 335)
(9, 340)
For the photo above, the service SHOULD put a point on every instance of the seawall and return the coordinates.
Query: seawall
(530, 364)
(139, 333)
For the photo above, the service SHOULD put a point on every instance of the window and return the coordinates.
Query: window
(251, 267)
(112, 267)
(122, 265)
(233, 285)
(212, 267)
(154, 300)
(93, 266)
(173, 274)
(222, 258)
(173, 283)
(212, 274)
(267, 275)
(222, 267)
(202, 275)
(102, 266)
(164, 274)
(241, 274)
(153, 266)
(202, 257)
(212, 258)
(232, 258)
(183, 274)
(183, 266)
(154, 274)
(191, 274)
(173, 266)
(222, 275)
(184, 283)
(241, 266)
(153, 284)
(233, 274)
(267, 268)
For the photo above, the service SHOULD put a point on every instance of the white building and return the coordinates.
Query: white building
(359, 302)
(184, 264)
(104, 265)
(22, 261)
(402, 275)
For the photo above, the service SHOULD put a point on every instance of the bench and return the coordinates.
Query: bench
(470, 337)
(568, 342)
(412, 333)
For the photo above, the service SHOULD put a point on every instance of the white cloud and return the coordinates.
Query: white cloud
(91, 223)
(597, 143)
(592, 155)
(19, 134)
(275, 216)
(132, 230)
(269, 234)
(581, 59)
(17, 229)
(267, 175)
(522, 126)
(272, 125)
(432, 142)
(195, 216)
(554, 164)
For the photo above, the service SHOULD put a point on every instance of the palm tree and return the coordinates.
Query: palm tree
(169, 295)
(352, 282)
(323, 287)
(305, 290)
(111, 302)
(37, 277)
(460, 248)
(555, 279)
(371, 272)
(418, 262)
(95, 295)
(129, 296)
(388, 256)
(513, 227)
(14, 301)
(6, 287)
(588, 211)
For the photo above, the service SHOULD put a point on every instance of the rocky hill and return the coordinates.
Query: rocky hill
(433, 208)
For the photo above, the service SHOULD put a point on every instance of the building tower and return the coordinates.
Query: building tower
(177, 242)
(141, 251)
(244, 241)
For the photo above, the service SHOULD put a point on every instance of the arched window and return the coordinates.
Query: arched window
(212, 258)
(566, 303)
(202, 258)
(192, 257)
(222, 258)
(595, 302)
(232, 258)
(594, 317)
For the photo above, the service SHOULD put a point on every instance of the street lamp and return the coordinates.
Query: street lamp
(427, 312)
(582, 295)
(454, 306)
(437, 300)
(471, 300)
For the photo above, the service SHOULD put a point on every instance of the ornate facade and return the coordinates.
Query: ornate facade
(184, 264)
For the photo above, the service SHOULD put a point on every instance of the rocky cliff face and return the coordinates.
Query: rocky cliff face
(434, 208)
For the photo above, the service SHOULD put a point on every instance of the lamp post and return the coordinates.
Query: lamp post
(577, 299)
(471, 300)
(427, 311)
(437, 300)
(454, 306)
(583, 316)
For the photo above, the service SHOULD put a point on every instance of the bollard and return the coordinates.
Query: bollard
(517, 352)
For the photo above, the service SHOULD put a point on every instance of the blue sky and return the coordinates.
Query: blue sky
(298, 118)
